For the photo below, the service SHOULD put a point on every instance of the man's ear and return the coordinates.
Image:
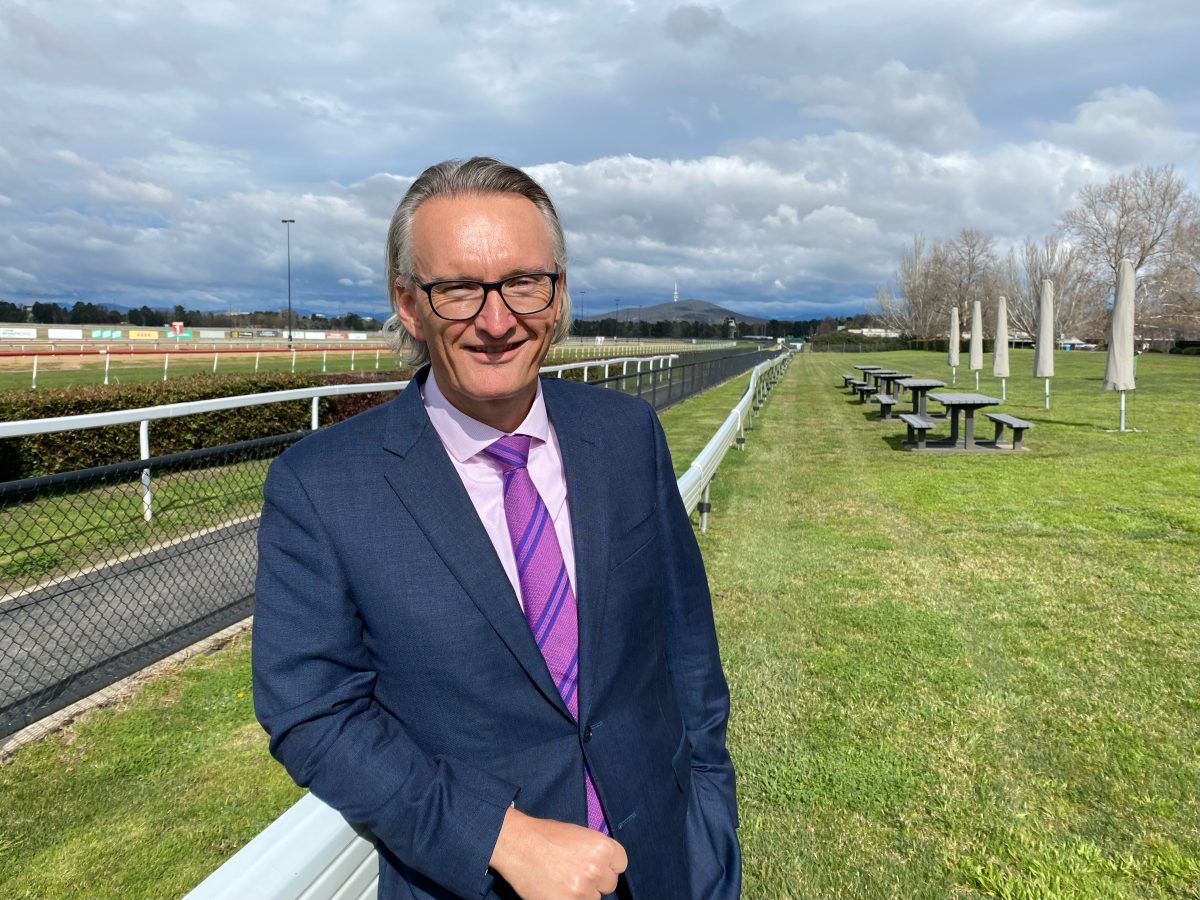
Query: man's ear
(407, 303)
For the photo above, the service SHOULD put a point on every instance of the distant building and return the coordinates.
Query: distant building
(874, 332)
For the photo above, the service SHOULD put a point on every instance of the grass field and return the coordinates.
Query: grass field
(16, 372)
(965, 675)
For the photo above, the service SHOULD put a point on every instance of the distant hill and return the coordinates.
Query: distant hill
(683, 311)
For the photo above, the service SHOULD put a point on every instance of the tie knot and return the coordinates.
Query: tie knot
(511, 451)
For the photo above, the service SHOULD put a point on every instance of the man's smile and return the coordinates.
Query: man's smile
(495, 351)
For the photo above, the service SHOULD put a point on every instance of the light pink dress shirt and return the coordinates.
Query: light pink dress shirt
(464, 438)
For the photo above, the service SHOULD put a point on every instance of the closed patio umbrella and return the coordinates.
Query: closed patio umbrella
(1118, 373)
(1043, 354)
(975, 352)
(1000, 347)
(955, 340)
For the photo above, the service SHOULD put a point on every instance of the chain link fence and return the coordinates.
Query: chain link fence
(666, 387)
(104, 571)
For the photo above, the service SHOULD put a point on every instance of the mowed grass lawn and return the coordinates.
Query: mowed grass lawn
(969, 675)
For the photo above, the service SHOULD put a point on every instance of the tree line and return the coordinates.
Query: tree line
(775, 328)
(1148, 215)
(85, 313)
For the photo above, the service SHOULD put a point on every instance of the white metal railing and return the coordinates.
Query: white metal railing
(310, 852)
(174, 410)
(143, 416)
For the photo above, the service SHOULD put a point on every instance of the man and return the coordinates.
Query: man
(482, 627)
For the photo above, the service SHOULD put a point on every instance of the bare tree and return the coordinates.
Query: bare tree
(971, 260)
(1079, 295)
(1140, 216)
(918, 306)
(1150, 217)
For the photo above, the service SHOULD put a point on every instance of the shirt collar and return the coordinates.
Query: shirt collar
(464, 437)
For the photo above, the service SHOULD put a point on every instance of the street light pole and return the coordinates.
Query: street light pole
(618, 316)
(288, 223)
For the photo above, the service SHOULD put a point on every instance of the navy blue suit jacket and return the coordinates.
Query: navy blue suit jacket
(398, 679)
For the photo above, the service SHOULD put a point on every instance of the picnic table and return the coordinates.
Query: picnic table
(919, 387)
(878, 375)
(889, 380)
(966, 404)
(865, 369)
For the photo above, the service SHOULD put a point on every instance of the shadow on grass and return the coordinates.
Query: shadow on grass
(1041, 421)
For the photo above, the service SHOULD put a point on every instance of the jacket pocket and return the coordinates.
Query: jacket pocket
(633, 541)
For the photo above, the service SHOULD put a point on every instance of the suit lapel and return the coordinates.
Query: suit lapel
(587, 501)
(427, 484)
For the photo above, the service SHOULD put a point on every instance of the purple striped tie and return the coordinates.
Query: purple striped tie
(545, 588)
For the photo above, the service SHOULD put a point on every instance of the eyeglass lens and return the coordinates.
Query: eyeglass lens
(524, 294)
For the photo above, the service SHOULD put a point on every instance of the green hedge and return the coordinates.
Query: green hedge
(44, 454)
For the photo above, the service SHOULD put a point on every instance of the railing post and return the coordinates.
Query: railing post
(33, 386)
(316, 413)
(741, 436)
(144, 450)
(704, 507)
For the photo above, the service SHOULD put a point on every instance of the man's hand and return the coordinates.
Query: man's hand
(547, 860)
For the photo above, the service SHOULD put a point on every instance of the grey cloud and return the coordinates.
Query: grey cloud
(926, 109)
(689, 24)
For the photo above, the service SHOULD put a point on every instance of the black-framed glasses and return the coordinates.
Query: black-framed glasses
(459, 300)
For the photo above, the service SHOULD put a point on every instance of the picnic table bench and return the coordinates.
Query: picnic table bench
(1017, 426)
(862, 388)
(886, 402)
(917, 426)
(848, 379)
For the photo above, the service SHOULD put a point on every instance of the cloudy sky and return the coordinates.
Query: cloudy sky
(773, 156)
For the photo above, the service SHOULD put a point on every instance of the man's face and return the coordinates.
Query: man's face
(487, 367)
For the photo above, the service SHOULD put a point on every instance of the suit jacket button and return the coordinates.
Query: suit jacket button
(587, 734)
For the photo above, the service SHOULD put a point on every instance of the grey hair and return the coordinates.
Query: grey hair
(453, 178)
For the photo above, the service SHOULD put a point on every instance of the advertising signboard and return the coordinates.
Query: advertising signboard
(143, 334)
(207, 334)
(106, 334)
(268, 332)
(313, 335)
(176, 328)
(18, 334)
(241, 334)
(64, 334)
(185, 335)
(336, 335)
(358, 335)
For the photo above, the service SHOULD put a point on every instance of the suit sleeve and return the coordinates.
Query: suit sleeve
(701, 690)
(314, 694)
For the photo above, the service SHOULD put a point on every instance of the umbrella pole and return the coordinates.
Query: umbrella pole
(1047, 393)
(1122, 410)
(1003, 389)
(953, 375)
(976, 379)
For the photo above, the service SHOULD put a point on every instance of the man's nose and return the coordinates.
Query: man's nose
(495, 317)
